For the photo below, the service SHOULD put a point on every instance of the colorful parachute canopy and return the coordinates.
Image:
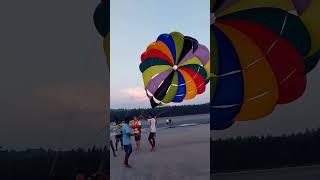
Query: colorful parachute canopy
(101, 19)
(261, 52)
(174, 68)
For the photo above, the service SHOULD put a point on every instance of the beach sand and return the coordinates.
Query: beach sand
(182, 153)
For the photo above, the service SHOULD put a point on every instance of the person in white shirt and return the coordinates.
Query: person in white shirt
(152, 122)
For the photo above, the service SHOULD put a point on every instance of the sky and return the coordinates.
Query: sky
(54, 80)
(137, 23)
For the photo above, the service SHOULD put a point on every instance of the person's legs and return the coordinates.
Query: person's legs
(150, 140)
(154, 141)
(111, 144)
(137, 138)
(125, 162)
(154, 144)
(128, 150)
(138, 144)
(121, 142)
(117, 142)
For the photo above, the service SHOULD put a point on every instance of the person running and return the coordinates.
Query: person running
(136, 126)
(118, 134)
(126, 138)
(152, 122)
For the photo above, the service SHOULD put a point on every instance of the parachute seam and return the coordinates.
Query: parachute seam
(289, 75)
(226, 74)
(225, 106)
(272, 45)
(258, 96)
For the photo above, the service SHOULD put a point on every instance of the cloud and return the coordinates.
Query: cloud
(136, 93)
(135, 97)
(90, 96)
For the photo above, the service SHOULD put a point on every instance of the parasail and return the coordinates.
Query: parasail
(261, 52)
(174, 68)
(101, 19)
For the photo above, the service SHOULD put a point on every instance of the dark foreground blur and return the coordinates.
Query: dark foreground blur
(52, 165)
(248, 153)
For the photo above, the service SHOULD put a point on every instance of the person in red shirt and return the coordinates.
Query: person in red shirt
(136, 126)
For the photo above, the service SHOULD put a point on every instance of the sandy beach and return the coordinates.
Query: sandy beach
(182, 153)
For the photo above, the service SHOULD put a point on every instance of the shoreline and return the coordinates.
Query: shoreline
(177, 122)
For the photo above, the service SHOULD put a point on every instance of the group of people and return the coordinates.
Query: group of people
(132, 127)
